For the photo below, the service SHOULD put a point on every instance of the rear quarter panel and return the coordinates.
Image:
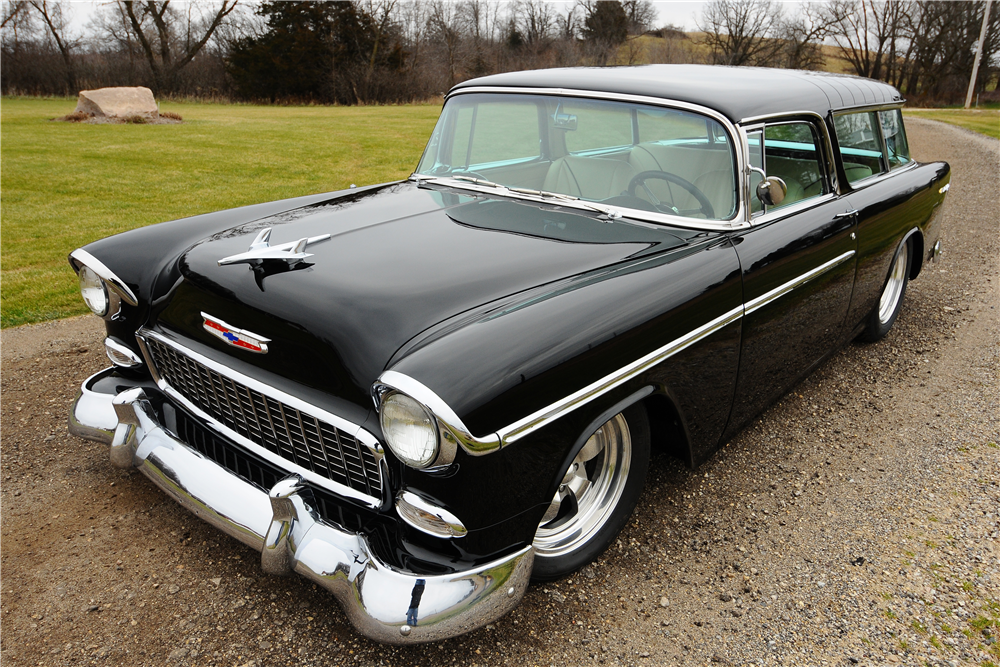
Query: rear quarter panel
(887, 211)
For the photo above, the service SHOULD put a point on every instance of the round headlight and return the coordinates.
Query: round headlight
(409, 430)
(94, 291)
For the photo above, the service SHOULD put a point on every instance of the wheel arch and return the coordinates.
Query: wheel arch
(667, 428)
(916, 236)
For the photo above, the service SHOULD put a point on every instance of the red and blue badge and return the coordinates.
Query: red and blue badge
(241, 338)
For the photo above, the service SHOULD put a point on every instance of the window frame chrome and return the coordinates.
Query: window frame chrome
(736, 222)
(363, 437)
(825, 147)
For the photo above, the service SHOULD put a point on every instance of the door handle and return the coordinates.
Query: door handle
(848, 214)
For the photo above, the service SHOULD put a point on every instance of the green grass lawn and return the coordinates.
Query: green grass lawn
(66, 184)
(984, 121)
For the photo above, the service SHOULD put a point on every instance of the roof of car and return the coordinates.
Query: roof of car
(736, 92)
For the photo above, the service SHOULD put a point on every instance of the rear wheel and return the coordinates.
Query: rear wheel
(884, 315)
(596, 496)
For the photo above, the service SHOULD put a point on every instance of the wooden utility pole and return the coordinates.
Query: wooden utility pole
(979, 53)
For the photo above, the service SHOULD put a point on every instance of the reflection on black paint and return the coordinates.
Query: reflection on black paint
(273, 268)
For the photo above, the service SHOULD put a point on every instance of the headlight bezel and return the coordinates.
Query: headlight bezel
(404, 402)
(115, 289)
(90, 285)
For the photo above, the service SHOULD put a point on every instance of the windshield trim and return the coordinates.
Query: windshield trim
(737, 221)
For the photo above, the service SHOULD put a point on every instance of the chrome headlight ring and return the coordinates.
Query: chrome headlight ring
(452, 433)
(96, 278)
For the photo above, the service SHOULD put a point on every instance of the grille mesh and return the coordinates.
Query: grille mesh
(278, 427)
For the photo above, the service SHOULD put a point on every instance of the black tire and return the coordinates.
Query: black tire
(890, 302)
(578, 529)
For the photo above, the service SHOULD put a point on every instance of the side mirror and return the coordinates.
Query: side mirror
(771, 191)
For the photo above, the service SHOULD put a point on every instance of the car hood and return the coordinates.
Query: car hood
(400, 259)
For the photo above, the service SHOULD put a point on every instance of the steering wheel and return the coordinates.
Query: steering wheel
(640, 179)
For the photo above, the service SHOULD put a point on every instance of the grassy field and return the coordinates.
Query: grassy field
(984, 121)
(65, 184)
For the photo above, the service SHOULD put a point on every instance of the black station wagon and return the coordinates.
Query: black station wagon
(422, 395)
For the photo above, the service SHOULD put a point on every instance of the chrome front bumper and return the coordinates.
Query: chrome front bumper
(292, 538)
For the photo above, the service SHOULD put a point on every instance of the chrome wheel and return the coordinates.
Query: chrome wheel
(894, 287)
(589, 492)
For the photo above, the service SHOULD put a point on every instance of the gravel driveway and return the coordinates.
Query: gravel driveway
(856, 522)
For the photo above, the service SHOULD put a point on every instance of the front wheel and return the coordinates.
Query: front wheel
(596, 496)
(884, 315)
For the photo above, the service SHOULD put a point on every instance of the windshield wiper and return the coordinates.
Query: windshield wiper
(481, 181)
(544, 194)
(541, 194)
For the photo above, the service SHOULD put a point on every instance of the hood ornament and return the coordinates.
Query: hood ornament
(262, 251)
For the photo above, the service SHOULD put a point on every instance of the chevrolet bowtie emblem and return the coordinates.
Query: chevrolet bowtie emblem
(262, 251)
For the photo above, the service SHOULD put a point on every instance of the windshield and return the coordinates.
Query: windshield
(629, 156)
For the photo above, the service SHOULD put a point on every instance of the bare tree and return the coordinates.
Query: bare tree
(568, 25)
(382, 13)
(742, 32)
(56, 17)
(169, 40)
(641, 15)
(534, 20)
(803, 37)
(868, 33)
(444, 29)
(12, 12)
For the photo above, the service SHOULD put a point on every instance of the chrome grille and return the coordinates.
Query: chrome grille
(280, 428)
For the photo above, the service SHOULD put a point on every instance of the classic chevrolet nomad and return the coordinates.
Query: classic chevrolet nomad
(421, 395)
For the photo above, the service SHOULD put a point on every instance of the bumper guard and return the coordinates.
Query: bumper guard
(292, 538)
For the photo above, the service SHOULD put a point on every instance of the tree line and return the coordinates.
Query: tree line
(387, 51)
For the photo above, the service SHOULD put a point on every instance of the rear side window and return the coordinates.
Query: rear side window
(860, 146)
(897, 148)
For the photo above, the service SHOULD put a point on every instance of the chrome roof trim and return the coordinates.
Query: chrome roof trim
(736, 222)
(877, 106)
(81, 257)
(779, 116)
(362, 436)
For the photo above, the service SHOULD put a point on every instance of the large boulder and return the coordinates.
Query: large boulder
(118, 103)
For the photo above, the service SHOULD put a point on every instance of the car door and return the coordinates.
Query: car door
(797, 260)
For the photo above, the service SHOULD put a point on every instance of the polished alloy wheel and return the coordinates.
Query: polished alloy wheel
(589, 492)
(894, 287)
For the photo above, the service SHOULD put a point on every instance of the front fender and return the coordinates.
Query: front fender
(557, 341)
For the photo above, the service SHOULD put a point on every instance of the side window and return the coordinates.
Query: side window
(895, 137)
(505, 131)
(791, 152)
(860, 147)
